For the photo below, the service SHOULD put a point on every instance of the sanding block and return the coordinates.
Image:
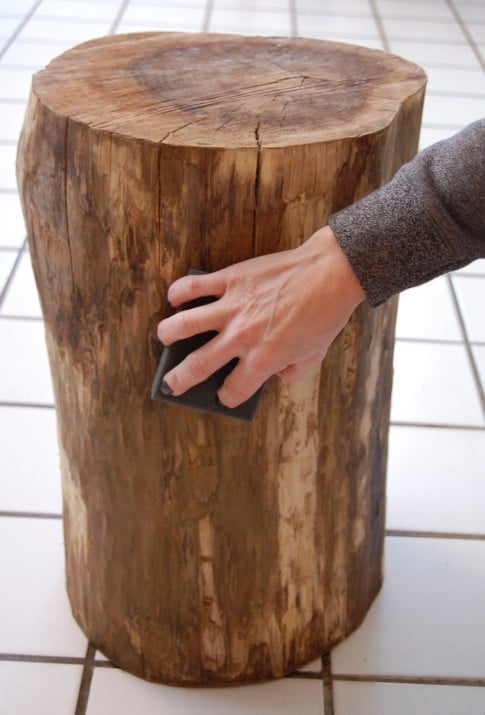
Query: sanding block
(204, 395)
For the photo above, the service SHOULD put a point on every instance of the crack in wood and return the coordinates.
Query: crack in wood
(257, 178)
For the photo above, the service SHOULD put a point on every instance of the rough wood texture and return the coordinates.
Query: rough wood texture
(201, 549)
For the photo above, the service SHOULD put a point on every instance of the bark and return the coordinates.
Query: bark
(202, 549)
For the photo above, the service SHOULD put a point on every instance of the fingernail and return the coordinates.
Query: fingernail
(165, 388)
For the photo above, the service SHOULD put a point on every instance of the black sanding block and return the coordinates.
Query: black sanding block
(204, 395)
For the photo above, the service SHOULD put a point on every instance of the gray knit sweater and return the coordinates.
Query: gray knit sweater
(428, 220)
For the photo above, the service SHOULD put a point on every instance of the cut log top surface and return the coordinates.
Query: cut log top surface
(227, 91)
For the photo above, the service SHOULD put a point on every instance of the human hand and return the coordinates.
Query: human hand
(277, 313)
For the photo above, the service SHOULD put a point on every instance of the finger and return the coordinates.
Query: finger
(243, 382)
(294, 373)
(190, 322)
(198, 366)
(191, 287)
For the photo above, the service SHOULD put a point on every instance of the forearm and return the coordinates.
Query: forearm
(427, 221)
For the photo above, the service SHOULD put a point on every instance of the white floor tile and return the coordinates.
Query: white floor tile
(74, 31)
(75, 9)
(164, 16)
(477, 31)
(403, 9)
(8, 25)
(397, 699)
(471, 10)
(30, 479)
(22, 298)
(452, 111)
(435, 480)
(276, 23)
(7, 261)
(115, 691)
(8, 153)
(421, 29)
(34, 55)
(433, 384)
(479, 355)
(475, 268)
(428, 312)
(24, 368)
(444, 54)
(334, 7)
(11, 120)
(456, 81)
(40, 688)
(244, 5)
(337, 24)
(431, 135)
(12, 232)
(171, 3)
(18, 9)
(15, 84)
(471, 297)
(180, 26)
(36, 616)
(428, 619)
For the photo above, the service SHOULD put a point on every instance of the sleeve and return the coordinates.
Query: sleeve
(428, 220)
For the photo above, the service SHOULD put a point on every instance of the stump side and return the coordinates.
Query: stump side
(202, 550)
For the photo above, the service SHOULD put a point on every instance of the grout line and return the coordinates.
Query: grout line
(50, 659)
(442, 125)
(116, 22)
(11, 276)
(304, 675)
(35, 405)
(327, 681)
(453, 95)
(105, 664)
(207, 15)
(434, 535)
(86, 679)
(28, 515)
(25, 318)
(19, 28)
(293, 18)
(468, 348)
(380, 26)
(429, 341)
(435, 425)
(467, 33)
(411, 680)
(468, 274)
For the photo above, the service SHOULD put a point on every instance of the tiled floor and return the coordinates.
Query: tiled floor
(421, 648)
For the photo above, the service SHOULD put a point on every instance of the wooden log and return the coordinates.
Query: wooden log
(202, 549)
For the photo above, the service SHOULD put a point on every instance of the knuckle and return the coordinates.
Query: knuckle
(244, 335)
(232, 394)
(262, 361)
(187, 322)
(197, 367)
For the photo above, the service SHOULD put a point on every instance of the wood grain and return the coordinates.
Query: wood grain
(202, 550)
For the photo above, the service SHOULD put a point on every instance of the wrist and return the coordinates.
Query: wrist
(324, 247)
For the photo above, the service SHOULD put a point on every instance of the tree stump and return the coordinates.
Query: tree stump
(201, 549)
